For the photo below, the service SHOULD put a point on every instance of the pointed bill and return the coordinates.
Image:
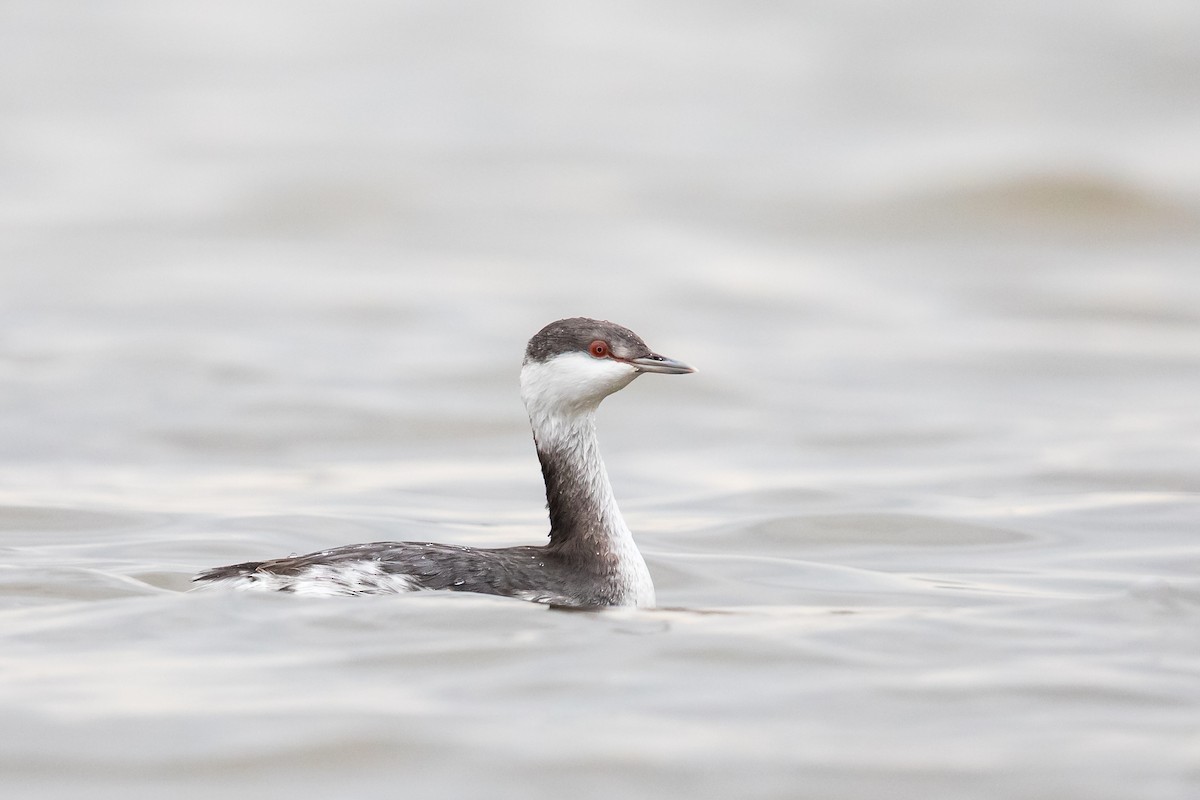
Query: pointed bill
(661, 364)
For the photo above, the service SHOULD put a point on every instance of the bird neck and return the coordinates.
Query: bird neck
(583, 510)
(587, 530)
(586, 527)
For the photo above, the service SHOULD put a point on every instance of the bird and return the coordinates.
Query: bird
(591, 559)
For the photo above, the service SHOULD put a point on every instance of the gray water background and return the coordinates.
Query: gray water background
(925, 524)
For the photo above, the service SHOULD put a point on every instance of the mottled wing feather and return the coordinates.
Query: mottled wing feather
(381, 567)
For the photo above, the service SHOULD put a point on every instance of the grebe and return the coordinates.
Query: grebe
(591, 560)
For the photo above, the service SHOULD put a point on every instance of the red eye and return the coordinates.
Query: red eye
(598, 348)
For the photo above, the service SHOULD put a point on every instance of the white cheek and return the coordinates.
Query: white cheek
(573, 381)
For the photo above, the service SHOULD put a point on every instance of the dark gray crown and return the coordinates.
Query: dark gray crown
(575, 334)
